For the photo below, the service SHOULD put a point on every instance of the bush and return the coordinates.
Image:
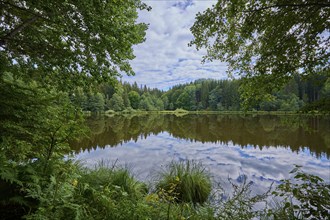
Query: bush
(306, 196)
(241, 203)
(185, 182)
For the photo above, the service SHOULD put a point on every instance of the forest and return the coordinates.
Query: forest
(61, 58)
(305, 95)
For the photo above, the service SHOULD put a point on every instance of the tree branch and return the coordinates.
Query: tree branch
(321, 5)
(22, 9)
(21, 27)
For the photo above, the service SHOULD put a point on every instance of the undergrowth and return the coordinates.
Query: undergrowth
(182, 191)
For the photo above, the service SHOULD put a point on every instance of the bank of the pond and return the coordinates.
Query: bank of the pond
(181, 112)
(181, 191)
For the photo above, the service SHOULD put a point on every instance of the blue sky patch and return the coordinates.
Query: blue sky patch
(183, 4)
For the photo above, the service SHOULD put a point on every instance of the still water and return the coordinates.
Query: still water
(264, 148)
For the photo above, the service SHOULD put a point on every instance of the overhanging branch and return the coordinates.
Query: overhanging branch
(316, 4)
(18, 29)
(22, 26)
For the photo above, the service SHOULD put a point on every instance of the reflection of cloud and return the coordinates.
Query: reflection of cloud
(223, 160)
(166, 47)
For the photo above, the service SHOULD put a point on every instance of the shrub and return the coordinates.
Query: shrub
(184, 182)
(306, 196)
(241, 203)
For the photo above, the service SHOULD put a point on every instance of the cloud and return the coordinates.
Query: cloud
(165, 59)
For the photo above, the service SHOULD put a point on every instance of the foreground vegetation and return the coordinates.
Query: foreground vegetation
(181, 191)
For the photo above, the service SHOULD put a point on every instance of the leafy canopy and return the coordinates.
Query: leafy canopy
(75, 41)
(266, 39)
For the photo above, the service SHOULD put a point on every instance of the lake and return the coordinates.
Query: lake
(264, 148)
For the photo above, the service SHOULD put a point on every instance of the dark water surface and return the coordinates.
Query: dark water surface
(264, 148)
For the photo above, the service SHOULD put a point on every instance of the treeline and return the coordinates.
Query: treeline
(224, 95)
(206, 94)
(118, 97)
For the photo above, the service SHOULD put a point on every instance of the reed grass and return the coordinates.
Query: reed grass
(186, 182)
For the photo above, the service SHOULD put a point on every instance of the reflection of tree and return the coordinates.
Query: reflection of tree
(120, 129)
(258, 131)
(268, 124)
(97, 127)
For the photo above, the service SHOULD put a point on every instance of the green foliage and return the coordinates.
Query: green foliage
(241, 204)
(205, 94)
(35, 120)
(187, 99)
(55, 196)
(95, 102)
(70, 43)
(215, 98)
(184, 182)
(107, 193)
(80, 99)
(36, 125)
(116, 103)
(265, 41)
(321, 105)
(326, 89)
(281, 102)
(306, 196)
(103, 176)
(153, 102)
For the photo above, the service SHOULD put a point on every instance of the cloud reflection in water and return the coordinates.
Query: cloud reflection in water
(262, 166)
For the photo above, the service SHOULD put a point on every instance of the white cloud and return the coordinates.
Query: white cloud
(165, 59)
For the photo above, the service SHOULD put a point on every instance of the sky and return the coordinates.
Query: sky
(164, 59)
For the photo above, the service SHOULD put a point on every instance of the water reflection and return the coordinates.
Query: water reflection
(264, 148)
(295, 132)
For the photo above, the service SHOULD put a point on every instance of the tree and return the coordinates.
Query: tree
(165, 101)
(36, 125)
(230, 96)
(116, 103)
(146, 102)
(44, 46)
(266, 40)
(326, 89)
(134, 99)
(125, 97)
(96, 102)
(79, 98)
(159, 104)
(215, 98)
(205, 94)
(70, 42)
(187, 99)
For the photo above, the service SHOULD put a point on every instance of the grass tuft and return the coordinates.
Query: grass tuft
(185, 182)
(114, 178)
